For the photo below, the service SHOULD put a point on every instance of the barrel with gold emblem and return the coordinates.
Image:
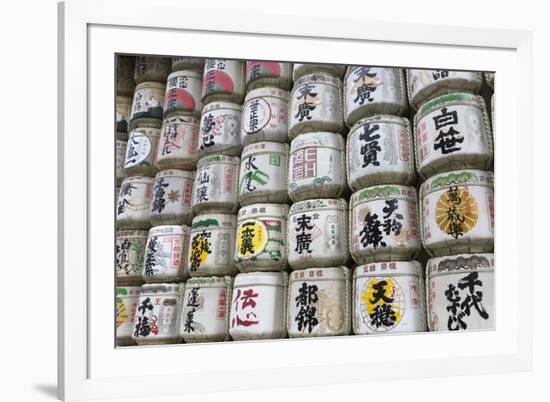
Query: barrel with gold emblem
(457, 212)
(212, 245)
(388, 297)
(261, 237)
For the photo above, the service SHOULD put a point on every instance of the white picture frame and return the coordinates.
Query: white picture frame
(91, 32)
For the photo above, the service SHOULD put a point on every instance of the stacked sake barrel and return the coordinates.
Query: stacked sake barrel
(388, 290)
(319, 302)
(154, 204)
(205, 310)
(454, 156)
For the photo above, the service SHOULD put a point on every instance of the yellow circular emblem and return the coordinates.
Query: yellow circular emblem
(456, 212)
(251, 238)
(121, 313)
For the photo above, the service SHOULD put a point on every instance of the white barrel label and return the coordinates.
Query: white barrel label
(179, 139)
(258, 114)
(148, 102)
(138, 150)
(221, 127)
(163, 255)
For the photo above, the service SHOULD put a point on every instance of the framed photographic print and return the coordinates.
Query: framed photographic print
(252, 202)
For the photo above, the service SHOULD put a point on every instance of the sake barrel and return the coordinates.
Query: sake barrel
(183, 93)
(220, 129)
(264, 116)
(134, 203)
(158, 314)
(268, 74)
(126, 307)
(453, 132)
(147, 105)
(258, 306)
(206, 304)
(141, 152)
(261, 238)
(212, 245)
(383, 224)
(317, 166)
(461, 292)
(125, 66)
(299, 70)
(165, 257)
(178, 142)
(388, 297)
(187, 63)
(130, 250)
(216, 183)
(489, 78)
(152, 68)
(317, 233)
(223, 79)
(369, 91)
(493, 113)
(380, 151)
(123, 111)
(457, 214)
(172, 192)
(427, 84)
(120, 157)
(316, 105)
(319, 302)
(263, 173)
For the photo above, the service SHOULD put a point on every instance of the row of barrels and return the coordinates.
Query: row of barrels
(377, 298)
